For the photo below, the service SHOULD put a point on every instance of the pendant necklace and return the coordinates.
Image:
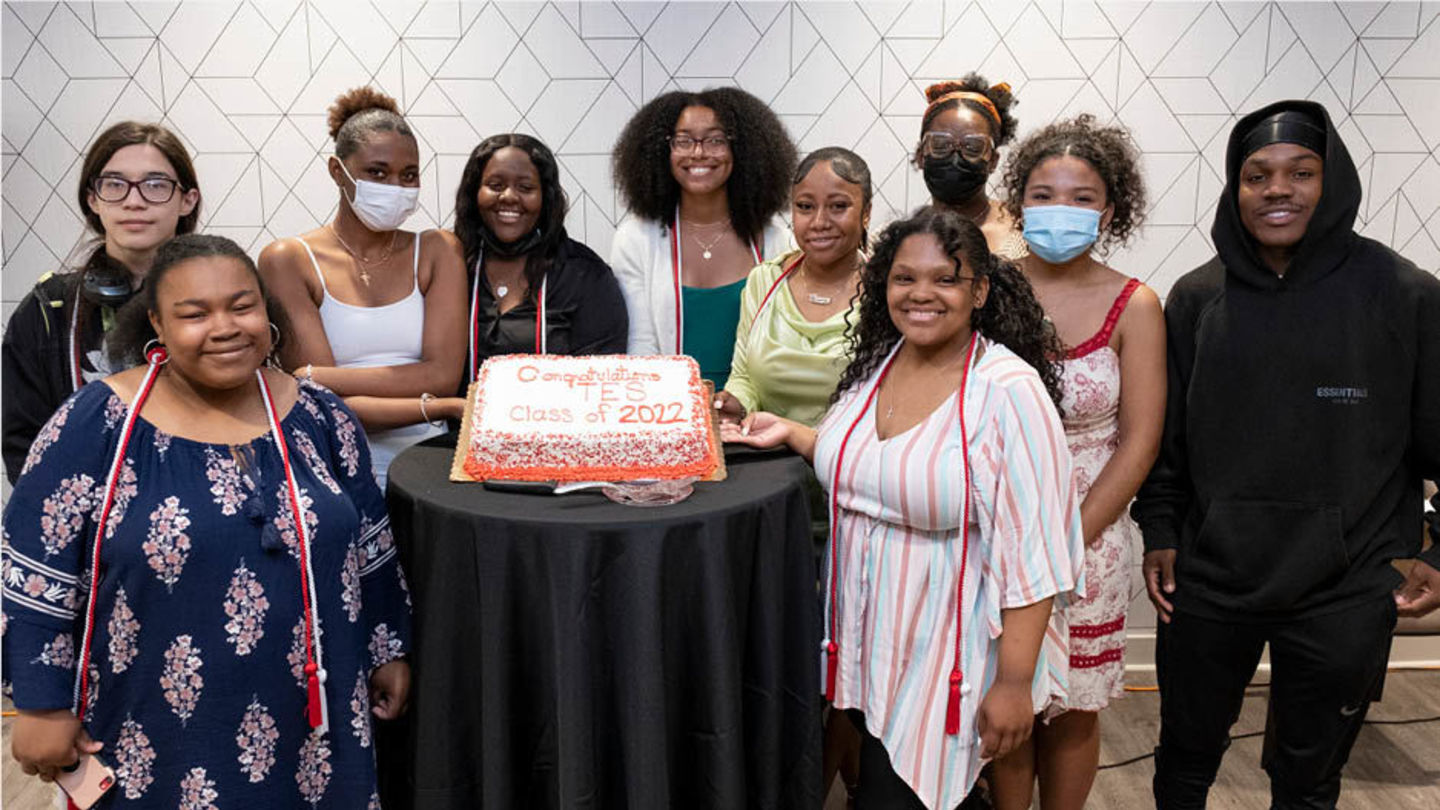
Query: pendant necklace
(705, 249)
(361, 260)
(823, 300)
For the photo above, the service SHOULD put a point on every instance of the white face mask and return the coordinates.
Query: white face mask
(380, 206)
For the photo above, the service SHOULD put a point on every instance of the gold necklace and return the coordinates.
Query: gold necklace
(816, 298)
(704, 248)
(364, 272)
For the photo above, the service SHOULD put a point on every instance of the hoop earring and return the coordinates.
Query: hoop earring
(155, 353)
(270, 358)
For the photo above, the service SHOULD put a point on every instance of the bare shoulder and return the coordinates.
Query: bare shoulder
(283, 387)
(1143, 320)
(283, 254)
(126, 383)
(1144, 305)
(440, 239)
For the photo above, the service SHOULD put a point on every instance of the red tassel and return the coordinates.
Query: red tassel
(312, 695)
(832, 665)
(952, 707)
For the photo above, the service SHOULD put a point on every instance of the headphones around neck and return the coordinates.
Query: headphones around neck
(105, 281)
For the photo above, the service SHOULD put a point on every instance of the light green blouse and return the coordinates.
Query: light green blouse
(784, 363)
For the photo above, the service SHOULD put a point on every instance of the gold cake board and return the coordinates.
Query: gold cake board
(462, 445)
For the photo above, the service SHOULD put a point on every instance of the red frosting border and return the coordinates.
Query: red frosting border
(695, 433)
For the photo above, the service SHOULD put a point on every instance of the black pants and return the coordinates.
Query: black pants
(1325, 671)
(880, 787)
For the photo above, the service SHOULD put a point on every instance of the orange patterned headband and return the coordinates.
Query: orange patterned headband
(978, 98)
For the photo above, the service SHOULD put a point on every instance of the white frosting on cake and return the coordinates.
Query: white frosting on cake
(605, 417)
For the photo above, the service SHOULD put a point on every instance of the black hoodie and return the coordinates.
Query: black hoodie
(1303, 412)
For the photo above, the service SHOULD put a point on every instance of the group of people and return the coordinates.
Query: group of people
(981, 395)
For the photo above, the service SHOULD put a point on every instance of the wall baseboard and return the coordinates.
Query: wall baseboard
(1406, 652)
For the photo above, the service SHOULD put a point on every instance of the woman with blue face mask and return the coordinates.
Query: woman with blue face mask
(378, 313)
(1074, 187)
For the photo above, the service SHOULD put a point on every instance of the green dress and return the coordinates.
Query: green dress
(711, 315)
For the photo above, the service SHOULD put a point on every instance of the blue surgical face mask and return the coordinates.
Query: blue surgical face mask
(1059, 233)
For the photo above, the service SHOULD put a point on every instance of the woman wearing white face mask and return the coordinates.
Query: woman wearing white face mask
(378, 313)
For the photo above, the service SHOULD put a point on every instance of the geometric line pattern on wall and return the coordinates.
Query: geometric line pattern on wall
(246, 85)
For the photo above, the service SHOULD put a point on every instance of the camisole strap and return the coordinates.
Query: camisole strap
(316, 264)
(1101, 339)
(415, 270)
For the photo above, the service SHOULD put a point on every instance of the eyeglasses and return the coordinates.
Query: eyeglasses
(942, 145)
(113, 189)
(710, 144)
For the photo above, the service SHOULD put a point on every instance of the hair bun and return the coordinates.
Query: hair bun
(939, 89)
(357, 100)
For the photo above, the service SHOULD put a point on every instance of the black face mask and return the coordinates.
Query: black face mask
(953, 180)
(105, 281)
(509, 250)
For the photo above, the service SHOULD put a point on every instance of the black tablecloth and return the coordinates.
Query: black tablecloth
(572, 652)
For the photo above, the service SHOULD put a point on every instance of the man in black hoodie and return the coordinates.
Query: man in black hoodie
(1303, 412)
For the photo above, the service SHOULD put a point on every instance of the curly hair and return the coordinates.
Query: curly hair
(1110, 151)
(998, 94)
(1011, 316)
(132, 329)
(554, 204)
(764, 157)
(360, 111)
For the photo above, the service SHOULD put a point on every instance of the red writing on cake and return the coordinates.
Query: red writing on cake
(669, 413)
(525, 413)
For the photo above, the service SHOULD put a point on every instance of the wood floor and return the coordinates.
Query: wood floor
(1393, 767)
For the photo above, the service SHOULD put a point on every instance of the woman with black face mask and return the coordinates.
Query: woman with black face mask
(533, 289)
(964, 126)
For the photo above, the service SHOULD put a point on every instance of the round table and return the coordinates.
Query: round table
(573, 652)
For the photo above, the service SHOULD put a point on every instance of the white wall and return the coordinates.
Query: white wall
(246, 85)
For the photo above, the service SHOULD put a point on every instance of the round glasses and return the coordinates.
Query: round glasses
(113, 189)
(942, 145)
(710, 144)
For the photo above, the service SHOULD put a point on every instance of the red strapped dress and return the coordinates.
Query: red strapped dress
(1091, 380)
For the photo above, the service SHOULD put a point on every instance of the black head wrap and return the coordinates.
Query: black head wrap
(1286, 126)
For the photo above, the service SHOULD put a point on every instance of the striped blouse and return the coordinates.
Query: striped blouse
(899, 549)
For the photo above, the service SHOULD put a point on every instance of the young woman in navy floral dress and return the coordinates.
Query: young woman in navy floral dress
(212, 610)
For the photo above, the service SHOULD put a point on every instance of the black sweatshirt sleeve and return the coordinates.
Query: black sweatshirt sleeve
(1425, 408)
(29, 398)
(1164, 499)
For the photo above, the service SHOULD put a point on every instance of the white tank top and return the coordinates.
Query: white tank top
(367, 337)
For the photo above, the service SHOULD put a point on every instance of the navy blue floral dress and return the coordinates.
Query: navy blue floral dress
(196, 671)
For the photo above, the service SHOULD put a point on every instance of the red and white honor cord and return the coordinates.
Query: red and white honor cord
(316, 711)
(676, 261)
(831, 645)
(315, 676)
(157, 358)
(542, 320)
(75, 374)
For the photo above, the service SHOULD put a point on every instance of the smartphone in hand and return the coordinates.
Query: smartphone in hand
(86, 781)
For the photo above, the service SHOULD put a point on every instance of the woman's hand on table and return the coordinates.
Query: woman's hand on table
(728, 408)
(765, 430)
(761, 429)
(390, 690)
(44, 742)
